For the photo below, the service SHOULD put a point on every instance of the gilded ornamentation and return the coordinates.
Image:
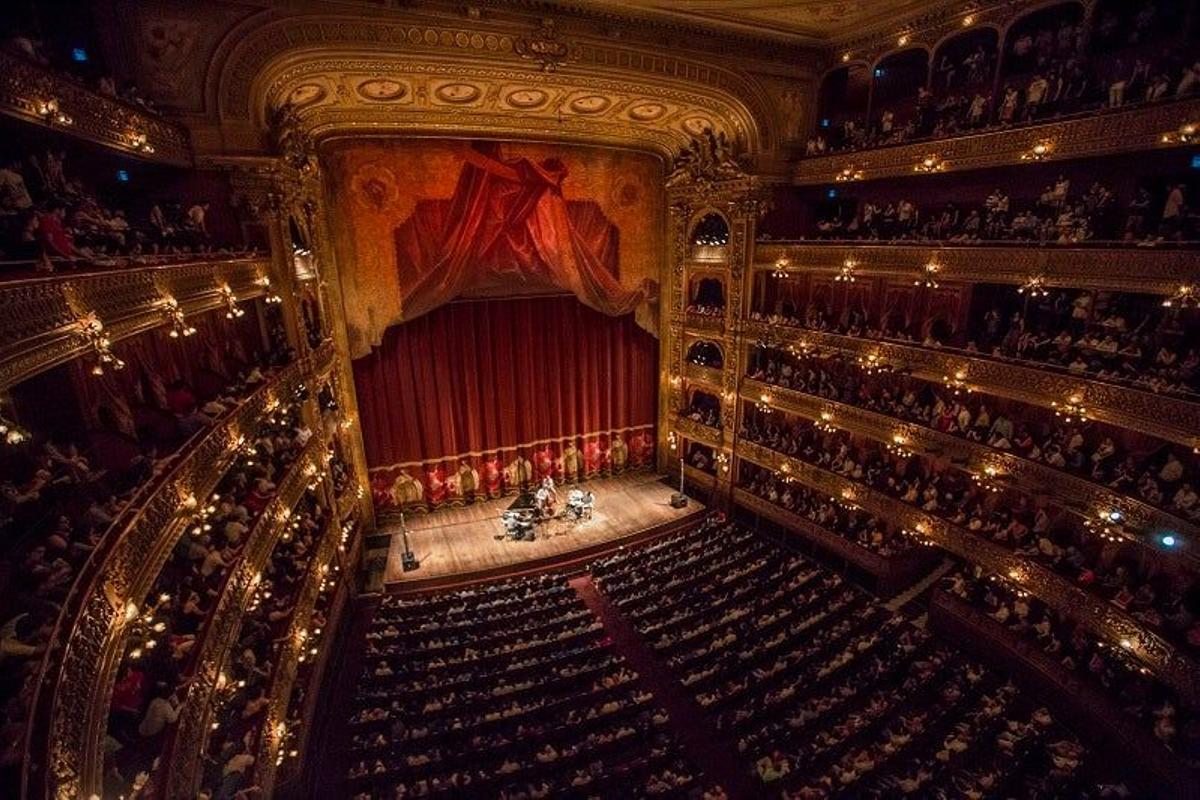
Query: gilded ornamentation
(547, 47)
(708, 159)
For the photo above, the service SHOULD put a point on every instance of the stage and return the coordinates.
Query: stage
(460, 544)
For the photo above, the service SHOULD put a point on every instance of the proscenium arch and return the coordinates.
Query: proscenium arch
(261, 59)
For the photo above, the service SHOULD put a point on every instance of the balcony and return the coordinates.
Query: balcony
(41, 318)
(1167, 417)
(1078, 137)
(1078, 494)
(181, 761)
(70, 710)
(1129, 269)
(713, 437)
(1103, 619)
(710, 376)
(892, 573)
(35, 94)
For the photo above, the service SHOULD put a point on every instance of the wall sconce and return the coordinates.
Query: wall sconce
(899, 446)
(902, 40)
(1185, 134)
(957, 382)
(872, 363)
(722, 460)
(231, 303)
(91, 329)
(1070, 411)
(672, 441)
(847, 273)
(1039, 151)
(1186, 296)
(1034, 286)
(764, 403)
(849, 174)
(928, 277)
(265, 283)
(676, 381)
(825, 423)
(1107, 524)
(986, 480)
(781, 268)
(968, 20)
(845, 57)
(139, 142)
(175, 318)
(13, 433)
(930, 163)
(50, 113)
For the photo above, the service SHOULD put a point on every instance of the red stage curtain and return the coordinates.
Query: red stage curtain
(471, 387)
(508, 221)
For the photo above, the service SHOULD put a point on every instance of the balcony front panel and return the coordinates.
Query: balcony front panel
(39, 317)
(1128, 131)
(1143, 270)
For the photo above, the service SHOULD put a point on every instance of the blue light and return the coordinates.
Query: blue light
(79, 54)
(123, 175)
(879, 72)
(1196, 162)
(825, 124)
(832, 193)
(1168, 540)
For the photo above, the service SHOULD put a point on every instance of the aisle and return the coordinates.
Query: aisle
(695, 730)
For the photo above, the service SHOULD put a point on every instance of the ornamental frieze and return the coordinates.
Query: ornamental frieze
(1164, 416)
(1139, 270)
(698, 433)
(1101, 618)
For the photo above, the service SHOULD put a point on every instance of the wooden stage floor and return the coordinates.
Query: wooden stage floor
(460, 544)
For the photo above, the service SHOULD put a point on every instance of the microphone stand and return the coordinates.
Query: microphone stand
(409, 559)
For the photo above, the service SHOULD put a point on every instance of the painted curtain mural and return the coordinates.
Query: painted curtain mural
(501, 304)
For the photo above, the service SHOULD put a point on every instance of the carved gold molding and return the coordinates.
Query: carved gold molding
(1078, 494)
(699, 433)
(28, 92)
(70, 711)
(38, 316)
(1104, 619)
(183, 754)
(1139, 270)
(1128, 131)
(1166, 417)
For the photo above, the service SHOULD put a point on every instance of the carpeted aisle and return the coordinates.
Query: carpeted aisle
(695, 730)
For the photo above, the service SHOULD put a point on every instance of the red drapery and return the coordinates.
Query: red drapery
(475, 397)
(509, 223)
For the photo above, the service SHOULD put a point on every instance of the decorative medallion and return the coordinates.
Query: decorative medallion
(590, 104)
(647, 112)
(458, 92)
(374, 187)
(697, 125)
(382, 90)
(546, 47)
(527, 98)
(306, 93)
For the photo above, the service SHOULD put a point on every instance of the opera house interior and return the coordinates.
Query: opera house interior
(617, 399)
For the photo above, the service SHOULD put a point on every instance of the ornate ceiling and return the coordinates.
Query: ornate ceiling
(813, 20)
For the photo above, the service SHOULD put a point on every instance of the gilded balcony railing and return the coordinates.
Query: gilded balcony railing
(1167, 417)
(892, 572)
(1141, 270)
(697, 432)
(70, 710)
(181, 760)
(707, 375)
(40, 317)
(1104, 619)
(36, 94)
(274, 732)
(1084, 497)
(1127, 131)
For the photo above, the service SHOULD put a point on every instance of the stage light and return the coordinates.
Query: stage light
(79, 55)
(1169, 540)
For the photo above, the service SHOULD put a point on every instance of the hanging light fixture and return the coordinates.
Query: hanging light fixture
(1071, 410)
(1034, 286)
(928, 276)
(232, 310)
(1186, 296)
(781, 268)
(91, 329)
(846, 275)
(175, 318)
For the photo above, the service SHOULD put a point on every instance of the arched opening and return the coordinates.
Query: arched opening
(842, 109)
(964, 69)
(707, 297)
(704, 353)
(710, 238)
(704, 408)
(901, 104)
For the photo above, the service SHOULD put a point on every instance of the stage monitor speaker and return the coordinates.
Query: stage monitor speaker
(409, 562)
(678, 500)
